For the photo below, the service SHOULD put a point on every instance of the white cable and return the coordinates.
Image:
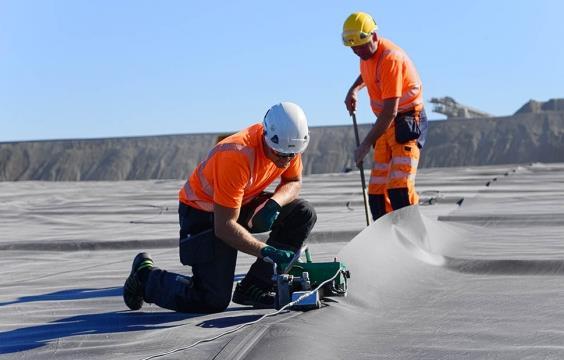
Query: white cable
(245, 324)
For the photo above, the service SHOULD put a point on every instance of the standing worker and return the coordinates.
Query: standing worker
(221, 204)
(396, 98)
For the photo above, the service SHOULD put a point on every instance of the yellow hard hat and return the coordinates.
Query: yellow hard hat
(357, 29)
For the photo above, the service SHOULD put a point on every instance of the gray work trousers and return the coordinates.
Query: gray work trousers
(210, 287)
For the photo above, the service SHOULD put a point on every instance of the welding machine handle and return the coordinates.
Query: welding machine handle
(308, 256)
(295, 258)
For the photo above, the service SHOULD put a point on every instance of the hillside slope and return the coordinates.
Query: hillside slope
(521, 138)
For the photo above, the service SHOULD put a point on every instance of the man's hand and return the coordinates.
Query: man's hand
(278, 256)
(360, 153)
(350, 100)
(264, 216)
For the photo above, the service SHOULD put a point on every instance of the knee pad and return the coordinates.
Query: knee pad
(399, 197)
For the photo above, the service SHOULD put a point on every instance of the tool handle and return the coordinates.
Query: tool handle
(361, 168)
(296, 257)
(355, 126)
(308, 256)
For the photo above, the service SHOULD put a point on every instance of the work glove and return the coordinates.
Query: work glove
(272, 254)
(264, 216)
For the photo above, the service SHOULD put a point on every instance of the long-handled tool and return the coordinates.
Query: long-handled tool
(361, 167)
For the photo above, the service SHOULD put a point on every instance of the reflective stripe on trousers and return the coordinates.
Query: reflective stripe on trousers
(395, 166)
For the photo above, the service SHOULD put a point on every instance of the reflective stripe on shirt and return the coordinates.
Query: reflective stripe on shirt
(249, 153)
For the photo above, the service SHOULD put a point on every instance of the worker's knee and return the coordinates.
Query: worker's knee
(299, 214)
(212, 304)
(304, 210)
(218, 304)
(294, 224)
(218, 299)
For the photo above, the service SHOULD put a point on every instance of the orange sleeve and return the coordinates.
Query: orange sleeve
(392, 77)
(231, 176)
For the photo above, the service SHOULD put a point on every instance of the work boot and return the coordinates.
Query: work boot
(133, 288)
(253, 295)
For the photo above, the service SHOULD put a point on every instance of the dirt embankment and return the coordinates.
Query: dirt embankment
(521, 138)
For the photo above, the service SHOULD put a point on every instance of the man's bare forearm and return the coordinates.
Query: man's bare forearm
(287, 192)
(378, 129)
(383, 123)
(232, 233)
(357, 85)
(236, 236)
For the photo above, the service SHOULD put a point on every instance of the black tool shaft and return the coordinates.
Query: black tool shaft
(361, 167)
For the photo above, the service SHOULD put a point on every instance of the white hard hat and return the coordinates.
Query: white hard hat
(285, 128)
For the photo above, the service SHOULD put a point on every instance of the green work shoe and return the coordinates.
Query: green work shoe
(133, 288)
(254, 296)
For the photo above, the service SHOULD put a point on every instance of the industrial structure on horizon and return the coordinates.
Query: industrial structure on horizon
(452, 109)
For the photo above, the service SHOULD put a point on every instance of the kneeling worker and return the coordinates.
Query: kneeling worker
(221, 204)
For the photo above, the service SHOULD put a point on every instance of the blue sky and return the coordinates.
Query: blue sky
(84, 69)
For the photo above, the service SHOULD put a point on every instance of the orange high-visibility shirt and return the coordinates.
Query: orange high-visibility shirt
(389, 74)
(235, 171)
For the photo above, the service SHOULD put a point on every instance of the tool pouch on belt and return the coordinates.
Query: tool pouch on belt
(198, 248)
(407, 126)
